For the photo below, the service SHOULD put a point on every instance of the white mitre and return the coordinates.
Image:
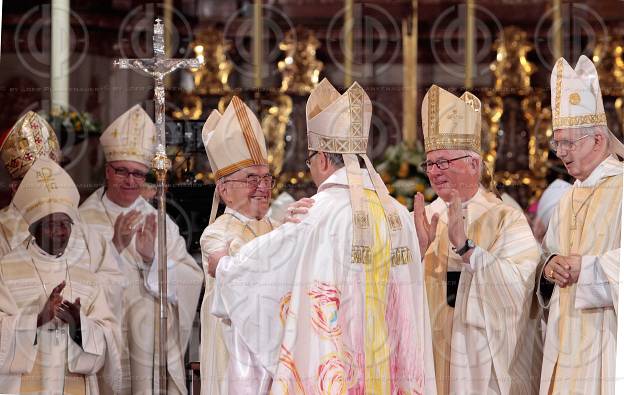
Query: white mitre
(130, 137)
(233, 141)
(46, 189)
(576, 99)
(340, 124)
(451, 122)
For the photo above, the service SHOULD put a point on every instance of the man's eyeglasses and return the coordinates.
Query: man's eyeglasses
(123, 172)
(568, 145)
(307, 161)
(442, 164)
(253, 181)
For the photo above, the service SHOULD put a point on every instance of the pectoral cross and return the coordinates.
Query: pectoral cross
(157, 68)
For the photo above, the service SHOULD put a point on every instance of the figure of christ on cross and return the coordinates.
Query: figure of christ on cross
(158, 67)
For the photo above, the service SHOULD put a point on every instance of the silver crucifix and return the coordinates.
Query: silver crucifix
(157, 68)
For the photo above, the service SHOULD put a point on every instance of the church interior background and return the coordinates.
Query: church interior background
(273, 52)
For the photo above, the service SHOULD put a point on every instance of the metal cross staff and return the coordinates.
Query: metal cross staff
(158, 67)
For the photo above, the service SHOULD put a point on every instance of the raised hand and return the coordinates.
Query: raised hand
(48, 313)
(456, 230)
(125, 228)
(299, 207)
(69, 313)
(145, 239)
(425, 230)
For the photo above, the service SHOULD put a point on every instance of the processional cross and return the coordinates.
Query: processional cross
(157, 68)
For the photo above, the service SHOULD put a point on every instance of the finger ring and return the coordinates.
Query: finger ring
(552, 271)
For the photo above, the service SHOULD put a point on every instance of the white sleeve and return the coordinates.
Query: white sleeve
(151, 281)
(594, 288)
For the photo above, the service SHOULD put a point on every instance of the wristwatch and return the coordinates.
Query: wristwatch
(469, 245)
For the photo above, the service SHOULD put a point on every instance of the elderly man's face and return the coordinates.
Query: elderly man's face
(577, 149)
(248, 191)
(124, 180)
(450, 170)
(52, 232)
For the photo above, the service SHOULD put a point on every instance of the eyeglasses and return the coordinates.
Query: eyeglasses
(307, 161)
(123, 172)
(568, 145)
(254, 181)
(442, 164)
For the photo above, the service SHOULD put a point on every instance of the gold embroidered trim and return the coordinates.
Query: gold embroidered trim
(434, 108)
(337, 145)
(41, 202)
(401, 256)
(234, 167)
(558, 89)
(356, 95)
(361, 255)
(580, 120)
(452, 141)
(112, 155)
(360, 219)
(395, 222)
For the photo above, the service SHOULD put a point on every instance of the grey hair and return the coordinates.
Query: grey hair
(335, 159)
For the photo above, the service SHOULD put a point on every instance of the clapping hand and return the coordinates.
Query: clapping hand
(145, 239)
(425, 230)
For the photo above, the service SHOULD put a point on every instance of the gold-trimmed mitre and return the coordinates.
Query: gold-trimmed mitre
(234, 140)
(130, 137)
(30, 138)
(46, 189)
(451, 122)
(338, 123)
(575, 95)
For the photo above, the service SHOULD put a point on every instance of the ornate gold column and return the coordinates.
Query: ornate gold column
(470, 44)
(410, 76)
(258, 38)
(348, 43)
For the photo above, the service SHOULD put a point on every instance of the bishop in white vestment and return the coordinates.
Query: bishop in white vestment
(30, 137)
(128, 221)
(236, 150)
(335, 303)
(56, 329)
(480, 261)
(582, 243)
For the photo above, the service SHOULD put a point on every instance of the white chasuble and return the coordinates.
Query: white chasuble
(488, 343)
(46, 360)
(319, 317)
(579, 351)
(140, 301)
(227, 365)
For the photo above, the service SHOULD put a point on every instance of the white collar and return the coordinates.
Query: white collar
(607, 168)
(116, 209)
(339, 178)
(474, 207)
(242, 217)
